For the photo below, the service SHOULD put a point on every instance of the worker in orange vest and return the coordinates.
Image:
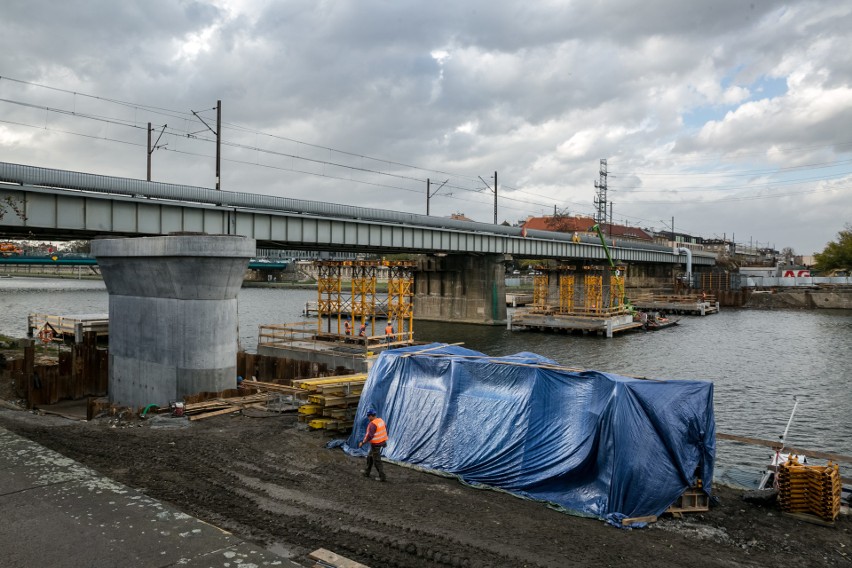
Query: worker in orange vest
(347, 327)
(377, 436)
(388, 332)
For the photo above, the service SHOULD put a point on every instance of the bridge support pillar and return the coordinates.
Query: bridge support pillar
(172, 314)
(461, 288)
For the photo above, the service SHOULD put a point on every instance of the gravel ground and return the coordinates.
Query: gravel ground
(268, 480)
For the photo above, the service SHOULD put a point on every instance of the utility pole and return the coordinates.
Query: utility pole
(218, 133)
(430, 194)
(600, 198)
(495, 194)
(154, 147)
(218, 144)
(495, 197)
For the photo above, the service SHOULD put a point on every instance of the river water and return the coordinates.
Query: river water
(757, 360)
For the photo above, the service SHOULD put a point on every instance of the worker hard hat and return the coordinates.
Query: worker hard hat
(371, 412)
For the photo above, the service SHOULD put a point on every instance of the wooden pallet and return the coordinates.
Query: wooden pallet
(691, 501)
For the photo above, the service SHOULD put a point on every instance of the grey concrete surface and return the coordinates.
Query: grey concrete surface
(173, 314)
(461, 288)
(57, 512)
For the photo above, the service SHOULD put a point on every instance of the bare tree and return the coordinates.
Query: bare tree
(8, 204)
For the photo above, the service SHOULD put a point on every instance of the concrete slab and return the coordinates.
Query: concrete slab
(57, 512)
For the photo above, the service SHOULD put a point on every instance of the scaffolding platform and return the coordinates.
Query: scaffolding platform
(700, 305)
(69, 327)
(605, 325)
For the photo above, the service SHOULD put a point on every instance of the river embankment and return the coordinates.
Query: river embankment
(824, 298)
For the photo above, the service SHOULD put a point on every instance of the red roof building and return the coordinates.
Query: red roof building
(582, 225)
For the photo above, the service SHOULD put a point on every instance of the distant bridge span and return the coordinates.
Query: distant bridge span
(66, 205)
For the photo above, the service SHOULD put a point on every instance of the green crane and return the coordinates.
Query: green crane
(597, 228)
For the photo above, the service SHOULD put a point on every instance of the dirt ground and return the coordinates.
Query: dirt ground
(268, 480)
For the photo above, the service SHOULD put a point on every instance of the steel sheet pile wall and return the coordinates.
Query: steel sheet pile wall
(594, 443)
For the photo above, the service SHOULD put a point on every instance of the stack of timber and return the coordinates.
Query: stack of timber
(809, 490)
(332, 401)
(219, 406)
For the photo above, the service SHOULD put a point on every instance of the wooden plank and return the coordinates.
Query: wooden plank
(775, 444)
(228, 410)
(813, 519)
(334, 560)
(633, 520)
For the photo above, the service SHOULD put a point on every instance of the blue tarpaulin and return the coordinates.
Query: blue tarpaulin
(593, 443)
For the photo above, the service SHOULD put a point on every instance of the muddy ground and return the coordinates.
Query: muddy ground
(268, 480)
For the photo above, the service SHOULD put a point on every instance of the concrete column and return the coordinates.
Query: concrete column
(461, 288)
(172, 314)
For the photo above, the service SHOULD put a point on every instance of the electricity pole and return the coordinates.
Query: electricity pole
(218, 133)
(154, 147)
(430, 194)
(495, 194)
(219, 144)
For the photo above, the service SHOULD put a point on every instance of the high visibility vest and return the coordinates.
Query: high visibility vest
(388, 329)
(381, 435)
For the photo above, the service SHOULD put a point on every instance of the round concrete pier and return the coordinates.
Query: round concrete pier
(172, 314)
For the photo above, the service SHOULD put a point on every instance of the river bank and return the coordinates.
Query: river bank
(269, 481)
(824, 298)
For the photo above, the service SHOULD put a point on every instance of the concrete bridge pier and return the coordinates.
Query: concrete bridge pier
(172, 314)
(463, 288)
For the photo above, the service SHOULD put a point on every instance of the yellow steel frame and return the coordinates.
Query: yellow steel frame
(400, 295)
(540, 289)
(593, 299)
(363, 294)
(328, 293)
(616, 288)
(566, 293)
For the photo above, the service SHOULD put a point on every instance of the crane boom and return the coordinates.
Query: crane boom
(596, 228)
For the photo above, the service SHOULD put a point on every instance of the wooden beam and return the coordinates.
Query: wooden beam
(334, 560)
(775, 444)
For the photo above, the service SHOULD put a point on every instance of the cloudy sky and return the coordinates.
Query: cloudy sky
(731, 118)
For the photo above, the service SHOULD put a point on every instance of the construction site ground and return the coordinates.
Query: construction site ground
(269, 481)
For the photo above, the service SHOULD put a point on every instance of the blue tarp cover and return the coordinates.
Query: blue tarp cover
(593, 443)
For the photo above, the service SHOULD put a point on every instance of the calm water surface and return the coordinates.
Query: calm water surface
(757, 360)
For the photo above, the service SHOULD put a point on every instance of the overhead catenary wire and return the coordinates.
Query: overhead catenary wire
(457, 183)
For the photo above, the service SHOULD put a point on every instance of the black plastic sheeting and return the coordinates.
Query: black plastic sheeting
(592, 443)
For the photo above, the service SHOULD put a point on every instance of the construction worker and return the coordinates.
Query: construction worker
(347, 327)
(362, 332)
(377, 436)
(388, 332)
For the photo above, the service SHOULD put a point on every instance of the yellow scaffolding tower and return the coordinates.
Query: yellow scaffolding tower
(616, 289)
(566, 293)
(400, 298)
(364, 294)
(593, 299)
(328, 293)
(540, 292)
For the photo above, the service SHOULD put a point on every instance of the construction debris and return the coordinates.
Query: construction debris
(220, 406)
